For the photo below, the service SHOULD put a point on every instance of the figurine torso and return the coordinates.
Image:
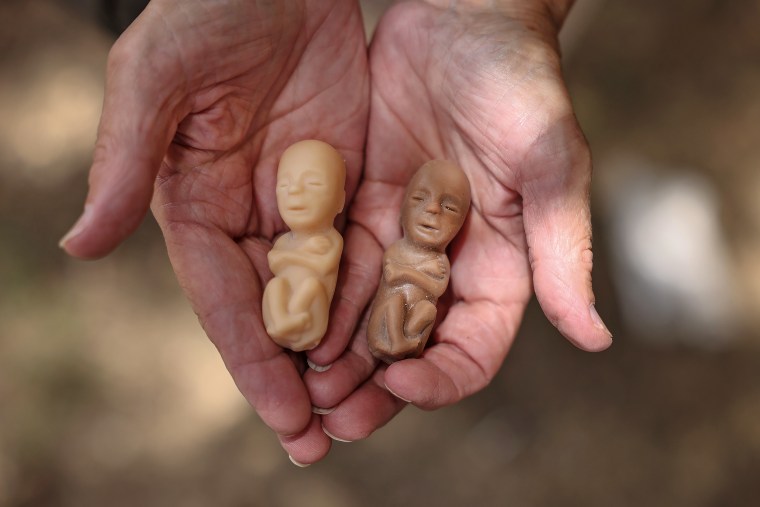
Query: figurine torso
(316, 255)
(405, 266)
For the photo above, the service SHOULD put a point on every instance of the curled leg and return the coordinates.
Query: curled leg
(305, 295)
(420, 319)
(278, 320)
(385, 333)
(311, 301)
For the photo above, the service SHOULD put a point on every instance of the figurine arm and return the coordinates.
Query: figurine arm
(321, 263)
(436, 268)
(326, 263)
(431, 284)
(279, 257)
(395, 272)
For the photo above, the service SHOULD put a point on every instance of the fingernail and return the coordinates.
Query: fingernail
(396, 395)
(296, 463)
(598, 322)
(317, 367)
(78, 227)
(322, 411)
(333, 436)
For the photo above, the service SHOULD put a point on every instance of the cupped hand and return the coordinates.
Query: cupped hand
(481, 87)
(201, 99)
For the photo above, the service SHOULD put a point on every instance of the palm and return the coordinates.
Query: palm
(213, 92)
(446, 109)
(485, 92)
(214, 200)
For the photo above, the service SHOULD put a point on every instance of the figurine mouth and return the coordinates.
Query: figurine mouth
(427, 228)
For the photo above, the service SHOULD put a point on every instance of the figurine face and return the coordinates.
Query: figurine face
(310, 181)
(435, 205)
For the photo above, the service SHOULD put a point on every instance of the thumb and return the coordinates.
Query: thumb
(136, 127)
(558, 231)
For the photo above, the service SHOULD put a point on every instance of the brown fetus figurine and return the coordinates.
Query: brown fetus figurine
(416, 269)
(310, 193)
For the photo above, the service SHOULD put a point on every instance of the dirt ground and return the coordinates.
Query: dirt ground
(110, 394)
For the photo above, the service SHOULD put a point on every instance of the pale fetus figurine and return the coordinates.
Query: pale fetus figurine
(416, 269)
(311, 178)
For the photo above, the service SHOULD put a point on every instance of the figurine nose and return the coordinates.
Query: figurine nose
(432, 207)
(295, 187)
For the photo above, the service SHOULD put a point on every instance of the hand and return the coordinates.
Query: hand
(201, 99)
(482, 88)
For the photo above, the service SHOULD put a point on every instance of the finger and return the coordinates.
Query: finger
(558, 232)
(360, 273)
(470, 346)
(225, 292)
(370, 407)
(136, 126)
(330, 387)
(308, 446)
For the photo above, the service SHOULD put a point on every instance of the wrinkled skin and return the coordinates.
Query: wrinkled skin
(201, 98)
(484, 90)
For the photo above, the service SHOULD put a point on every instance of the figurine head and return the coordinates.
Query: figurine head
(435, 204)
(310, 185)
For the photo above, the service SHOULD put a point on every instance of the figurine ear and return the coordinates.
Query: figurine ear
(342, 201)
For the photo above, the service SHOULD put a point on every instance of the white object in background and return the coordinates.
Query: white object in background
(672, 266)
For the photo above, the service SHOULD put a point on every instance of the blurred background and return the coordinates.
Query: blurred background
(110, 394)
